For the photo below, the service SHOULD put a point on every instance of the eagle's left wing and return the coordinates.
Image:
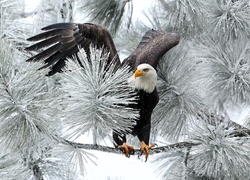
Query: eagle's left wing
(153, 45)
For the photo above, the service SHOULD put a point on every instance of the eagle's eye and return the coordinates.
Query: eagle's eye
(146, 70)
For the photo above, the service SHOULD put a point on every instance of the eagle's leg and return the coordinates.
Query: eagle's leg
(120, 142)
(146, 148)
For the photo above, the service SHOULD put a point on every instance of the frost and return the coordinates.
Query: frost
(230, 19)
(225, 71)
(97, 97)
(110, 13)
(185, 16)
(219, 153)
(26, 102)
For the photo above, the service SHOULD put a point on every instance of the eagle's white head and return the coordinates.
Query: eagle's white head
(144, 78)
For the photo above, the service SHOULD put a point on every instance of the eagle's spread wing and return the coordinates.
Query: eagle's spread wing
(62, 40)
(153, 45)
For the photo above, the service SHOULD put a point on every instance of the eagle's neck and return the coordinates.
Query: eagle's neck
(146, 83)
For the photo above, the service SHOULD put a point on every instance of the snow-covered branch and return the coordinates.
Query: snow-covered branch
(138, 152)
(180, 145)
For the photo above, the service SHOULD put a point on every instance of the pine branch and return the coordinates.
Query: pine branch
(230, 19)
(138, 152)
(239, 131)
(242, 132)
(110, 13)
(37, 172)
(184, 16)
(186, 162)
(221, 141)
(180, 145)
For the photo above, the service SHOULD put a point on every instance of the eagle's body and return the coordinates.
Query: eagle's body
(64, 40)
(144, 82)
(146, 104)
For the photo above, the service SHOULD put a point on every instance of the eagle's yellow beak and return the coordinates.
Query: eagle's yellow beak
(138, 72)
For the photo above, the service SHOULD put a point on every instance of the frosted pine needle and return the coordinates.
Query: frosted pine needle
(225, 69)
(185, 15)
(25, 103)
(219, 153)
(96, 96)
(230, 19)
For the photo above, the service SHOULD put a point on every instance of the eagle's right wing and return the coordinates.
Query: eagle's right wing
(62, 40)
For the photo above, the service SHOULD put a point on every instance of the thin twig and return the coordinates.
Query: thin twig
(37, 172)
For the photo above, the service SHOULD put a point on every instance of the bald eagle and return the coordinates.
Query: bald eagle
(144, 82)
(64, 40)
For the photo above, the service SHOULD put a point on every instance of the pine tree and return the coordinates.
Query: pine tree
(201, 82)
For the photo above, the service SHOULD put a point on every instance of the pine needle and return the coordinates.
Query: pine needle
(97, 97)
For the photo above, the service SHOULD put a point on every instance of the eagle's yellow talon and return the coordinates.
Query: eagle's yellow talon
(146, 148)
(128, 149)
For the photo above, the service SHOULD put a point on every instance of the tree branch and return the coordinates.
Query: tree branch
(239, 132)
(37, 173)
(156, 150)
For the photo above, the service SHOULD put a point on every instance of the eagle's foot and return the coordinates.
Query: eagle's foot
(146, 148)
(127, 149)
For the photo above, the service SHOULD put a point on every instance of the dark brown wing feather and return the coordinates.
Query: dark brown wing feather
(153, 45)
(63, 40)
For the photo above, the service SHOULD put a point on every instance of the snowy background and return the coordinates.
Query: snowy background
(202, 81)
